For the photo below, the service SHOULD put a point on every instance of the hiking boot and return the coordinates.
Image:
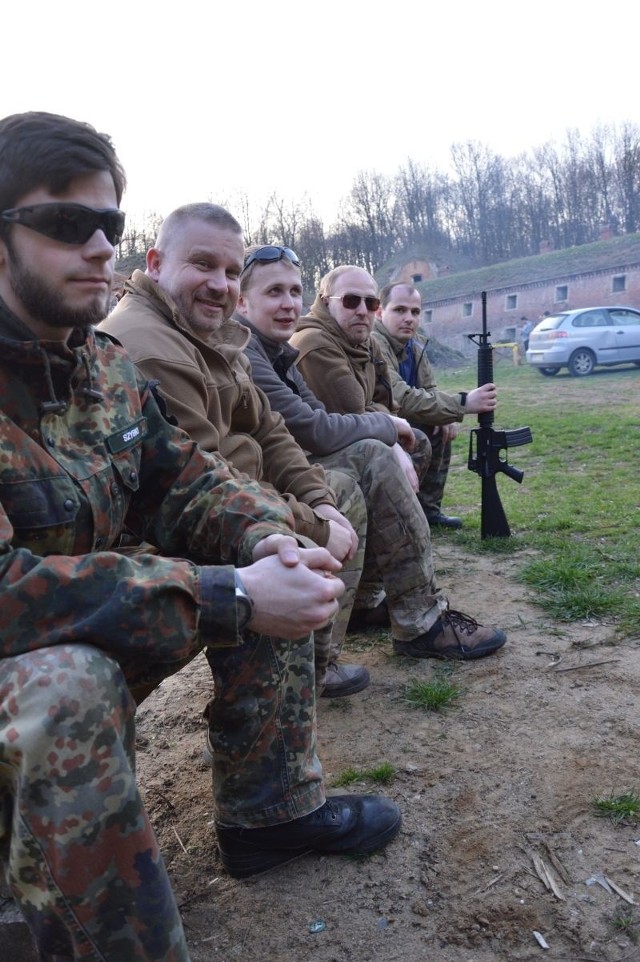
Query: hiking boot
(454, 636)
(439, 520)
(344, 680)
(345, 824)
(363, 619)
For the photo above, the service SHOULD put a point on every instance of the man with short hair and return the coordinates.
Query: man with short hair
(86, 454)
(175, 320)
(415, 391)
(398, 541)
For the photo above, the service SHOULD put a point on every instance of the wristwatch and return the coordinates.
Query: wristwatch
(463, 398)
(244, 604)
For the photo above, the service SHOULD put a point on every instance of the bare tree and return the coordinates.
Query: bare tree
(419, 195)
(488, 207)
(369, 219)
(627, 175)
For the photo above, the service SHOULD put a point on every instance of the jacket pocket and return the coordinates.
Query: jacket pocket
(42, 513)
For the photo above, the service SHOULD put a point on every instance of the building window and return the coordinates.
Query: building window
(619, 283)
(512, 302)
(562, 293)
(427, 317)
(416, 278)
(467, 309)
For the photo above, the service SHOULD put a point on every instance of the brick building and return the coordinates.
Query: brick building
(604, 273)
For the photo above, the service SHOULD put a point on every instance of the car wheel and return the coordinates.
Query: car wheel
(548, 371)
(582, 362)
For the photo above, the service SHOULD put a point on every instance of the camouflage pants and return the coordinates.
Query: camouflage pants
(351, 503)
(433, 481)
(262, 732)
(422, 454)
(80, 855)
(398, 548)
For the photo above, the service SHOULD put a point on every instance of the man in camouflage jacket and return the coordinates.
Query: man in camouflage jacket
(85, 455)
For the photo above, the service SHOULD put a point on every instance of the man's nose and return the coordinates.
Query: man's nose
(217, 279)
(98, 246)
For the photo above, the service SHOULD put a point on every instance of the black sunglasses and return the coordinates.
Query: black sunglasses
(352, 301)
(68, 223)
(269, 255)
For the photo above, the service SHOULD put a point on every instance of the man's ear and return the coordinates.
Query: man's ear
(379, 313)
(154, 258)
(242, 307)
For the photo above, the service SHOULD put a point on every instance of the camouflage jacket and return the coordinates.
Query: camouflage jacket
(86, 453)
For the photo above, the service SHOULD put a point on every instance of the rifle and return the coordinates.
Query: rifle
(486, 444)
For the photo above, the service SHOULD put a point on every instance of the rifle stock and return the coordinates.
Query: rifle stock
(488, 447)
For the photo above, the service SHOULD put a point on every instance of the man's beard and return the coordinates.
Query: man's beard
(45, 304)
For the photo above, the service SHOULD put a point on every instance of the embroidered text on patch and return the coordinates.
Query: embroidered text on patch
(127, 437)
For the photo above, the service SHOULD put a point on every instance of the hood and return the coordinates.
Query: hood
(230, 338)
(400, 348)
(397, 345)
(320, 319)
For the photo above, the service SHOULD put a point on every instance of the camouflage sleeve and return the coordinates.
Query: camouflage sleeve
(145, 607)
(190, 504)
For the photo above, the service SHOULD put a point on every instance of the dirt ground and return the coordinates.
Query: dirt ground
(500, 840)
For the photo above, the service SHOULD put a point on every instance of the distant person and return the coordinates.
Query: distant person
(417, 395)
(87, 455)
(525, 331)
(398, 539)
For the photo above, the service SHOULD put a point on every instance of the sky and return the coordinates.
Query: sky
(227, 101)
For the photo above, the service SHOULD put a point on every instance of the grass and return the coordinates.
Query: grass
(436, 694)
(382, 774)
(625, 920)
(619, 808)
(574, 519)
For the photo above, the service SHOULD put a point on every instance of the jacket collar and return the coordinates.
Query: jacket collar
(273, 349)
(320, 319)
(397, 345)
(55, 360)
(231, 333)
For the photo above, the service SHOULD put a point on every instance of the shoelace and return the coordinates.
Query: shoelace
(321, 813)
(460, 621)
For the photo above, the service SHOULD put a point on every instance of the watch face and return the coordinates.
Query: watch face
(244, 608)
(244, 604)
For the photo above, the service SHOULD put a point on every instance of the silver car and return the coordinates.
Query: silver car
(581, 339)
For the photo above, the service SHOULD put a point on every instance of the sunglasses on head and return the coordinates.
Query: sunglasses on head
(269, 255)
(352, 301)
(68, 223)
